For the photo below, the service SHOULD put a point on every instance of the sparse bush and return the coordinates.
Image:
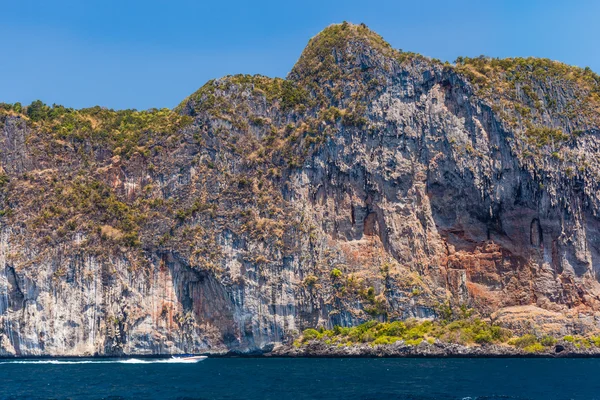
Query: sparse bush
(534, 348)
(525, 341)
(3, 179)
(396, 328)
(386, 340)
(569, 339)
(336, 273)
(547, 341)
(310, 281)
(413, 342)
(310, 334)
(37, 110)
(483, 338)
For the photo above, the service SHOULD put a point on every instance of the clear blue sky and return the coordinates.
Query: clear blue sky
(142, 54)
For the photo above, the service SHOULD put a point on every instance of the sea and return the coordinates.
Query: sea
(302, 378)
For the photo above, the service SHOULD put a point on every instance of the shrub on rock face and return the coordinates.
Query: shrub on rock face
(367, 337)
(418, 331)
(534, 348)
(310, 281)
(547, 341)
(310, 334)
(569, 339)
(395, 328)
(3, 179)
(500, 334)
(386, 340)
(339, 330)
(414, 342)
(525, 341)
(484, 338)
(37, 111)
(336, 273)
(580, 342)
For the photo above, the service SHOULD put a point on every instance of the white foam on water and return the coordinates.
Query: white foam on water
(173, 360)
(126, 361)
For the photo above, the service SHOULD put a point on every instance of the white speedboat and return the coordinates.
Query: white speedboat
(189, 359)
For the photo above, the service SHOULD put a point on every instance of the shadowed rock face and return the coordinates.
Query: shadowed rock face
(371, 183)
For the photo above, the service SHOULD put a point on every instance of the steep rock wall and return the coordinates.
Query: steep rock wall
(371, 184)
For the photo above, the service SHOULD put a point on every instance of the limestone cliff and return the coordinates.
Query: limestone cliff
(371, 183)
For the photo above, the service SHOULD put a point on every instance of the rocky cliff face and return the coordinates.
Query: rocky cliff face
(371, 183)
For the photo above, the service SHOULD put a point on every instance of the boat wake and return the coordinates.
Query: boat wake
(173, 360)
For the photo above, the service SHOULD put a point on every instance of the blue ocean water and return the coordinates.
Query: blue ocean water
(277, 378)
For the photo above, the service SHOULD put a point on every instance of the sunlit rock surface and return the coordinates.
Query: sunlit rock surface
(370, 184)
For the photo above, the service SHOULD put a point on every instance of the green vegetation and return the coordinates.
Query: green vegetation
(569, 338)
(470, 332)
(76, 193)
(327, 60)
(3, 179)
(123, 132)
(524, 341)
(373, 305)
(38, 111)
(209, 98)
(288, 93)
(486, 71)
(81, 199)
(523, 91)
(542, 136)
(548, 341)
(581, 342)
(6, 107)
(227, 99)
(336, 273)
(318, 57)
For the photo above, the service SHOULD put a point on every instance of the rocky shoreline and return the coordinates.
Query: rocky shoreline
(399, 349)
(424, 349)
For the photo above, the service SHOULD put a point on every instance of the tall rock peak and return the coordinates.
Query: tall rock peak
(339, 46)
